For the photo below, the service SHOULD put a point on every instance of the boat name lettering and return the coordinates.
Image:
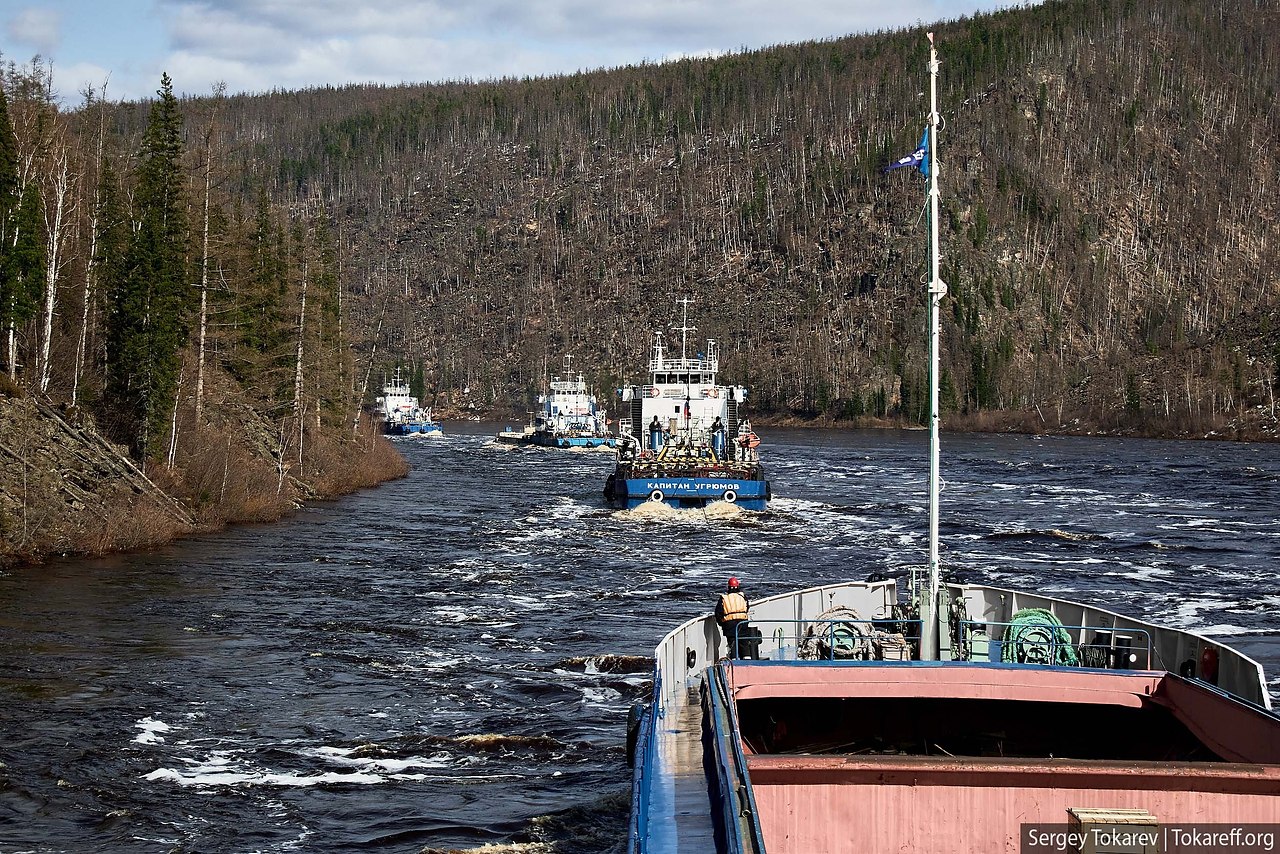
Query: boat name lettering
(696, 486)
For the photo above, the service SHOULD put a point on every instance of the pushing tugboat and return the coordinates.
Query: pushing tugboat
(684, 441)
(568, 418)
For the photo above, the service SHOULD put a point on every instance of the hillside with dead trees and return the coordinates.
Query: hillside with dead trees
(172, 267)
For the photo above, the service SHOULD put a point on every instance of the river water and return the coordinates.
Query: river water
(433, 663)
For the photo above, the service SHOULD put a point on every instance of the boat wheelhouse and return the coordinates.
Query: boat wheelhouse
(685, 439)
(401, 415)
(569, 417)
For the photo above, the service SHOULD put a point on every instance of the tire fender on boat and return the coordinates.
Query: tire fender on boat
(656, 495)
(730, 496)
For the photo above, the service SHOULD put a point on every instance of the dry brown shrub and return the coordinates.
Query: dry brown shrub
(9, 388)
(131, 524)
(339, 464)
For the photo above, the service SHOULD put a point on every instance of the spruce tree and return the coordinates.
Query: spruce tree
(19, 217)
(151, 301)
(111, 244)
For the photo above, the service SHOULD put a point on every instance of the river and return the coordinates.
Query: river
(433, 663)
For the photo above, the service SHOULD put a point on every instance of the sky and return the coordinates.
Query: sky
(262, 45)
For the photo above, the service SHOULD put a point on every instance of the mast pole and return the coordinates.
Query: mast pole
(937, 290)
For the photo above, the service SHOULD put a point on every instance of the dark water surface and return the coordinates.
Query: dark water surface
(424, 664)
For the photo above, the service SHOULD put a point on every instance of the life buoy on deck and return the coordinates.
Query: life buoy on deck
(656, 495)
(730, 496)
(653, 392)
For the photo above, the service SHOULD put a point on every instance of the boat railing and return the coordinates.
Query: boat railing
(707, 364)
(642, 783)
(833, 640)
(1176, 650)
(1045, 641)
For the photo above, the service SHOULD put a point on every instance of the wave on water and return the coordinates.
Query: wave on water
(598, 827)
(404, 759)
(608, 663)
(221, 769)
(1044, 534)
(151, 729)
(656, 511)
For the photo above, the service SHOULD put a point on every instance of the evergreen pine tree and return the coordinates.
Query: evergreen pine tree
(21, 253)
(111, 243)
(22, 269)
(150, 304)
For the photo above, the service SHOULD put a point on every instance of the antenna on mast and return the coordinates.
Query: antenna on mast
(685, 329)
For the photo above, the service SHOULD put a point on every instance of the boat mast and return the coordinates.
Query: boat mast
(937, 290)
(685, 329)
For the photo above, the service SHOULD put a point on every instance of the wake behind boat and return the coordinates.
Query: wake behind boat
(948, 717)
(684, 441)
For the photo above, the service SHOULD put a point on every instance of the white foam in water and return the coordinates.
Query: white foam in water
(341, 756)
(798, 505)
(207, 778)
(649, 510)
(1221, 629)
(600, 696)
(1187, 616)
(151, 729)
(219, 769)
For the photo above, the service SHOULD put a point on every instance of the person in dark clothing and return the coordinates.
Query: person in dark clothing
(718, 437)
(655, 435)
(731, 615)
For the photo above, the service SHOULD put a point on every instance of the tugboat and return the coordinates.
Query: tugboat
(684, 442)
(954, 719)
(401, 414)
(569, 417)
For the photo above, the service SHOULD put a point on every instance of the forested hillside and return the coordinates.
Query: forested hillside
(173, 351)
(1109, 224)
(225, 279)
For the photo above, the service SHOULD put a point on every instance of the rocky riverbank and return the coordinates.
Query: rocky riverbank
(65, 489)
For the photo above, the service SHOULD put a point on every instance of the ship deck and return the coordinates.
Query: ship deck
(679, 788)
(803, 755)
(985, 750)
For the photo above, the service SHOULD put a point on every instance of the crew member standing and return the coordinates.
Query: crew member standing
(731, 614)
(717, 437)
(655, 435)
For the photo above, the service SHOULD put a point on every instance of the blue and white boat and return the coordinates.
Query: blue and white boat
(684, 441)
(568, 417)
(401, 414)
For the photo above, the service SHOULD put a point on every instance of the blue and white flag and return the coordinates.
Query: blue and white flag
(918, 158)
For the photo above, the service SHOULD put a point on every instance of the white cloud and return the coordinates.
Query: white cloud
(260, 45)
(39, 29)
